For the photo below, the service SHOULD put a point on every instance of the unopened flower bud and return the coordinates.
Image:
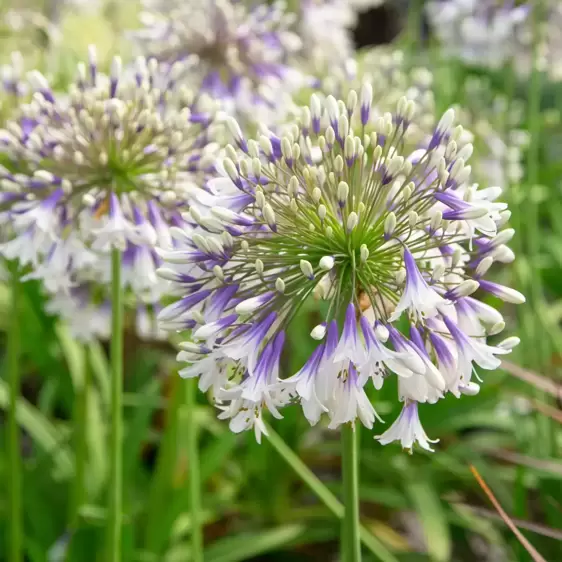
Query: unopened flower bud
(318, 332)
(306, 268)
(343, 192)
(326, 263)
(280, 285)
(364, 253)
(390, 224)
(352, 221)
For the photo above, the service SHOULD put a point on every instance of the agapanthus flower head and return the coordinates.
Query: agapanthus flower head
(111, 163)
(395, 241)
(324, 27)
(487, 33)
(493, 33)
(236, 52)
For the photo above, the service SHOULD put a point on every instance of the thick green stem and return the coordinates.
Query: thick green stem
(14, 449)
(116, 438)
(350, 474)
(80, 445)
(193, 475)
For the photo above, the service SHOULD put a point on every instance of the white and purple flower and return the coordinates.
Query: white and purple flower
(235, 51)
(115, 162)
(328, 212)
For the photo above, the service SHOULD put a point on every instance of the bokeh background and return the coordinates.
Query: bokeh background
(258, 502)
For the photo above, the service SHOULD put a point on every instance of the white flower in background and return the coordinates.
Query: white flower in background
(494, 33)
(114, 162)
(238, 52)
(324, 27)
(487, 33)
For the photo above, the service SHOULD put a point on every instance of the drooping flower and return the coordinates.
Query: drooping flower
(235, 52)
(407, 429)
(112, 163)
(385, 234)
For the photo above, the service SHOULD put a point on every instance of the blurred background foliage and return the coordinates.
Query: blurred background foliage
(256, 505)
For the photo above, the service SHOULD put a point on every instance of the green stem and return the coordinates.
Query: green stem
(539, 353)
(193, 474)
(414, 28)
(116, 438)
(531, 224)
(350, 476)
(14, 449)
(80, 444)
(527, 224)
(324, 494)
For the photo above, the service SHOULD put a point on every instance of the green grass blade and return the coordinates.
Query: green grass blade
(47, 437)
(432, 517)
(247, 545)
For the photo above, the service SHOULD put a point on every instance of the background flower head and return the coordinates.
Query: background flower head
(111, 162)
(234, 51)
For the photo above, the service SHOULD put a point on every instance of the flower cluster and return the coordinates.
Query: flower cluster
(112, 163)
(324, 27)
(233, 52)
(394, 241)
(492, 33)
(484, 33)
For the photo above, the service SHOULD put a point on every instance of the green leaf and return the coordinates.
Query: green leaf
(101, 370)
(161, 486)
(245, 546)
(74, 355)
(432, 517)
(214, 455)
(325, 495)
(98, 456)
(138, 425)
(47, 437)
